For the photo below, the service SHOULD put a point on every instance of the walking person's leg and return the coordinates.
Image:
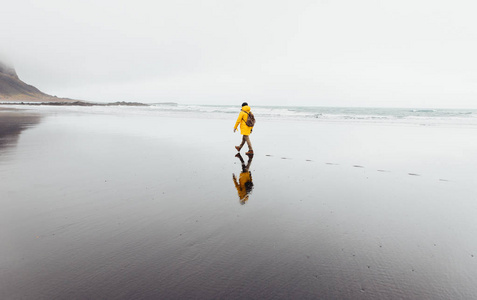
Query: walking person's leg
(249, 163)
(241, 144)
(241, 158)
(249, 144)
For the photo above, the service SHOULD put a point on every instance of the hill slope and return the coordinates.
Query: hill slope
(13, 89)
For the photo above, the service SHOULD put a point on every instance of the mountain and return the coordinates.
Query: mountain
(12, 89)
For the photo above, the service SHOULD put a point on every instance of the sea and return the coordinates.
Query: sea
(466, 117)
(333, 113)
(413, 116)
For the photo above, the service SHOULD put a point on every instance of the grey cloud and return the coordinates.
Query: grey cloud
(335, 53)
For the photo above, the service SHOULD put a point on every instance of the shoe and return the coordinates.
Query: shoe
(250, 152)
(238, 148)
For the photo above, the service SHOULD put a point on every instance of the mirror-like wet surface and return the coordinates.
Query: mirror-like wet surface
(12, 123)
(123, 206)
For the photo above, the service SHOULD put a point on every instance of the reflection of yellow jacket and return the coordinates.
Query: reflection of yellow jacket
(240, 186)
(242, 118)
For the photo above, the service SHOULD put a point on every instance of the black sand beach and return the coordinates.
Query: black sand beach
(124, 206)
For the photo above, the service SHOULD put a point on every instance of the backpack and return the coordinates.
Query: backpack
(250, 120)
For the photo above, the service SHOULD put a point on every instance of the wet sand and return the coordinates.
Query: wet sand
(12, 123)
(107, 206)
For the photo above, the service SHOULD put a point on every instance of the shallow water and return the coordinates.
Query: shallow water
(103, 205)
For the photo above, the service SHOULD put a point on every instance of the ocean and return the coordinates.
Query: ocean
(412, 116)
(334, 114)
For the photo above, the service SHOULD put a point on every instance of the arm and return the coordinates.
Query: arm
(237, 186)
(238, 120)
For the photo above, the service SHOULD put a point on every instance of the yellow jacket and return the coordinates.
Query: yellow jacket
(240, 185)
(242, 118)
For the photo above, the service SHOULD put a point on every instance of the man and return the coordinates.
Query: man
(244, 129)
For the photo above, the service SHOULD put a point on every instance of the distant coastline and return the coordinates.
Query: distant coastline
(75, 103)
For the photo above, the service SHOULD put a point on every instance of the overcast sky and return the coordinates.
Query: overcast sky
(322, 53)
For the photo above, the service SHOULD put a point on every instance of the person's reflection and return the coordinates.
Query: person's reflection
(244, 185)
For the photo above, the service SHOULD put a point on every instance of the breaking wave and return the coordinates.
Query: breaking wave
(334, 114)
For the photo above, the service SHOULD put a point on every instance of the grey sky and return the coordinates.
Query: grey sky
(324, 53)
